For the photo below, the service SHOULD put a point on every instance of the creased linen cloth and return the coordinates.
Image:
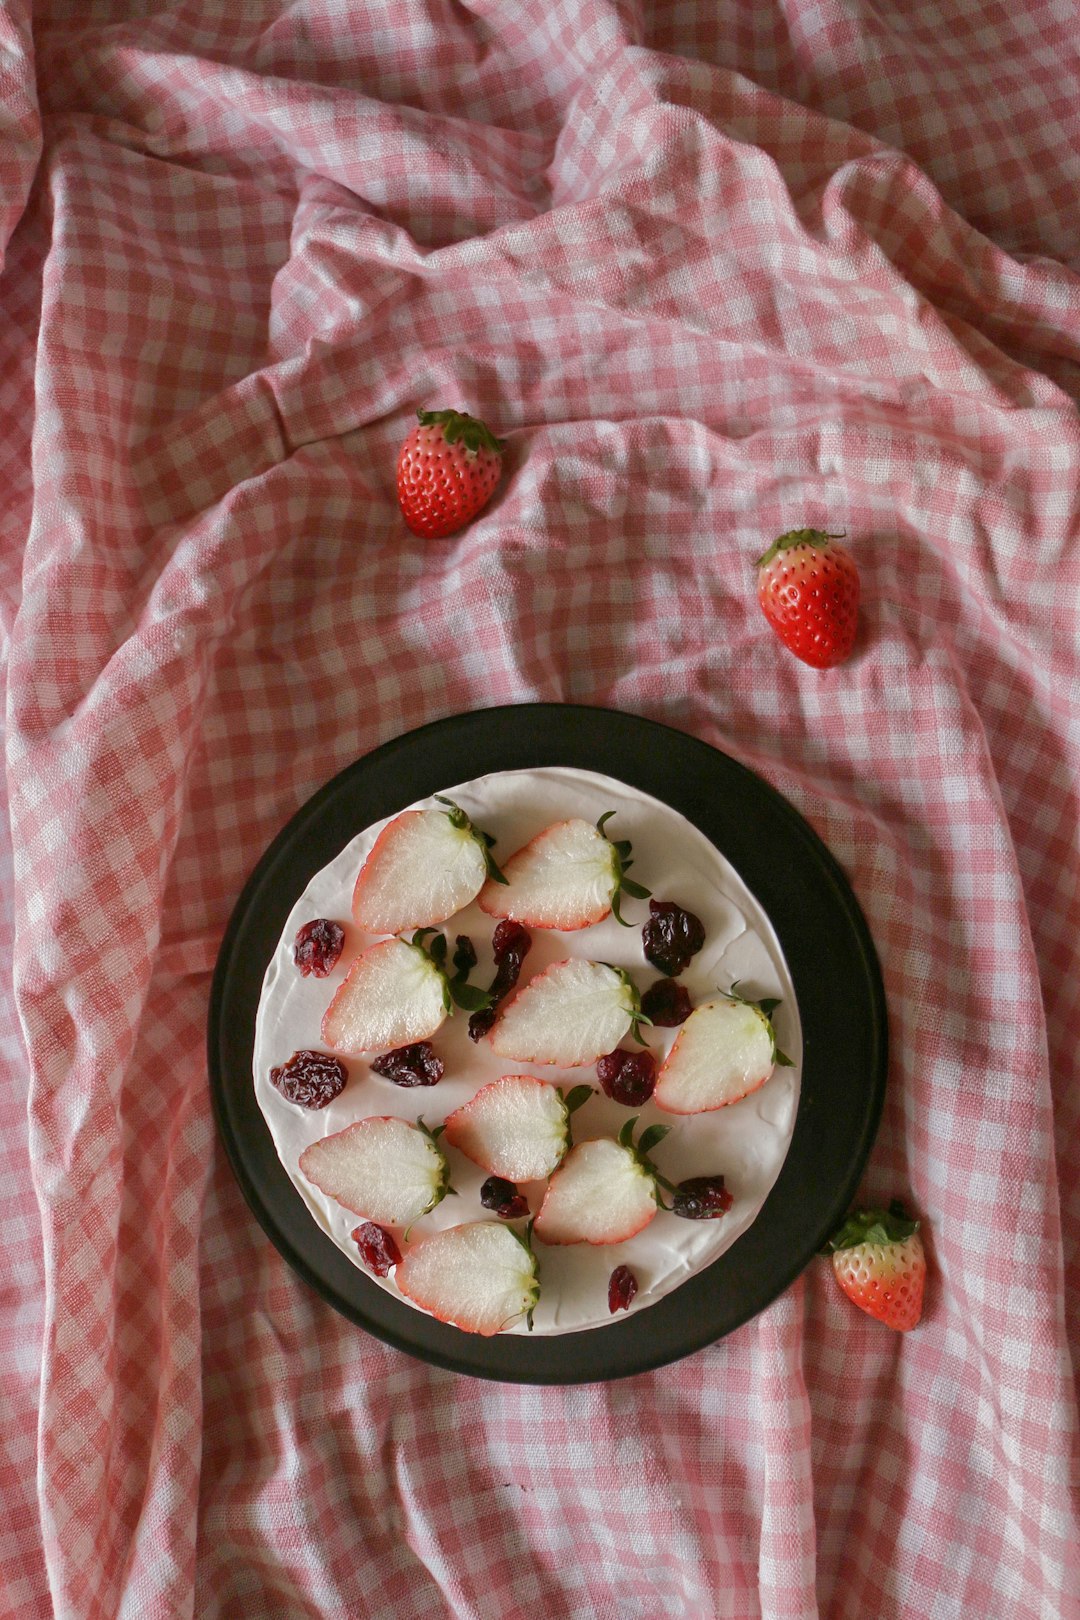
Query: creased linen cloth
(714, 270)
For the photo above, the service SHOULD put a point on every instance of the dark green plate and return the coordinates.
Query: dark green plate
(829, 953)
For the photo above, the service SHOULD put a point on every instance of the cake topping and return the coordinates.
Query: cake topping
(317, 947)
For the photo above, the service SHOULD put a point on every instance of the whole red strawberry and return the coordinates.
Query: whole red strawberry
(447, 472)
(808, 587)
(879, 1262)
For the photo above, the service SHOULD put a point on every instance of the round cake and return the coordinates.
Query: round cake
(745, 1141)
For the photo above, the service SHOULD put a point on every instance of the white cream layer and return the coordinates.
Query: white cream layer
(747, 1141)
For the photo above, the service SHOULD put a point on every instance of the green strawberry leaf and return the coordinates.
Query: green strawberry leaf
(469, 997)
(474, 434)
(626, 1135)
(437, 951)
(891, 1225)
(621, 863)
(577, 1097)
(819, 539)
(652, 1138)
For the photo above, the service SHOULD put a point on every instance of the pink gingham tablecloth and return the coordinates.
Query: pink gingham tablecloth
(714, 270)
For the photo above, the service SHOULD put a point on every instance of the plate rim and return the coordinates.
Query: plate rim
(419, 755)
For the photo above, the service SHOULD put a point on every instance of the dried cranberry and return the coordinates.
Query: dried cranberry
(317, 947)
(666, 1003)
(377, 1248)
(621, 1289)
(671, 936)
(627, 1077)
(511, 944)
(702, 1198)
(415, 1065)
(310, 1079)
(503, 1197)
(464, 955)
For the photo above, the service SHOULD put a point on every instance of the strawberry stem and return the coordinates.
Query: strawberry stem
(892, 1225)
(764, 1009)
(474, 434)
(622, 863)
(818, 538)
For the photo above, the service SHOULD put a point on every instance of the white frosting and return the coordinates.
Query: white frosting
(746, 1141)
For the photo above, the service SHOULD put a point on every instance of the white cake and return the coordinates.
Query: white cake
(746, 1141)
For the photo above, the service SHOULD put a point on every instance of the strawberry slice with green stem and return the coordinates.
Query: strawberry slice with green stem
(397, 993)
(569, 1015)
(605, 1190)
(479, 1277)
(424, 866)
(568, 877)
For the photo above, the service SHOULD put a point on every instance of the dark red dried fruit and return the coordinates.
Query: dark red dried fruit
(377, 1248)
(310, 1079)
(503, 1197)
(511, 944)
(464, 955)
(317, 947)
(702, 1198)
(627, 1077)
(621, 1289)
(666, 1003)
(415, 1065)
(671, 937)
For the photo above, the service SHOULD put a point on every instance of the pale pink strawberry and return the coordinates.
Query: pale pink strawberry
(569, 1015)
(392, 995)
(385, 1169)
(479, 1277)
(517, 1127)
(567, 877)
(424, 866)
(879, 1262)
(398, 992)
(603, 1192)
(725, 1050)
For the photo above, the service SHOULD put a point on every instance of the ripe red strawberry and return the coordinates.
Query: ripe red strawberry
(480, 1277)
(808, 587)
(879, 1262)
(447, 472)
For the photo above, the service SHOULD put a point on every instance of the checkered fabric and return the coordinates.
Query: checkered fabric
(714, 268)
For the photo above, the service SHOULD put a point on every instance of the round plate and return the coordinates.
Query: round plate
(823, 936)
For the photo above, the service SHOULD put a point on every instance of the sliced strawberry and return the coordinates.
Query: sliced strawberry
(392, 995)
(479, 1277)
(603, 1192)
(424, 866)
(385, 1169)
(725, 1050)
(879, 1262)
(517, 1127)
(397, 993)
(570, 1014)
(567, 877)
